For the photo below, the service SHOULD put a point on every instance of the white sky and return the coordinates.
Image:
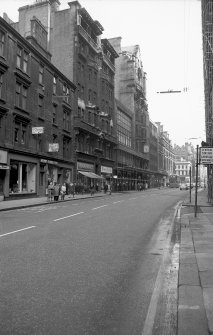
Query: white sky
(170, 39)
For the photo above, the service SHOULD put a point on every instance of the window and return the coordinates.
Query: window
(54, 85)
(1, 83)
(21, 96)
(2, 43)
(20, 132)
(22, 59)
(41, 105)
(66, 93)
(66, 120)
(54, 114)
(41, 74)
(66, 147)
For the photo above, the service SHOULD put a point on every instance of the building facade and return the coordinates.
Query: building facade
(74, 40)
(166, 158)
(130, 91)
(207, 36)
(36, 115)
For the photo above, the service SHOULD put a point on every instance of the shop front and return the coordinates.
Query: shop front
(4, 168)
(22, 176)
(87, 178)
(106, 173)
(55, 172)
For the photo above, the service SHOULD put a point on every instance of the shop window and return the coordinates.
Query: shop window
(2, 43)
(22, 177)
(21, 96)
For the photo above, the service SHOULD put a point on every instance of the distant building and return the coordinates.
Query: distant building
(166, 157)
(182, 169)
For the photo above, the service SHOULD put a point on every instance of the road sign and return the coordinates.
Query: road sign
(206, 155)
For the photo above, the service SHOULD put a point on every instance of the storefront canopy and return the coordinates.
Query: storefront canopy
(91, 175)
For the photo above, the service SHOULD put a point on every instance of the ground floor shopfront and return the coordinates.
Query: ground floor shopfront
(23, 175)
(126, 179)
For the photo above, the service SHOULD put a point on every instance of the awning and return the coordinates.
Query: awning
(91, 175)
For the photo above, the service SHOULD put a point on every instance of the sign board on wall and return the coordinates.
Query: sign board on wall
(53, 147)
(85, 166)
(3, 156)
(206, 155)
(37, 130)
(106, 169)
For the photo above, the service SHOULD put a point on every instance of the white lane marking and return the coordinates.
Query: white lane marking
(189, 307)
(17, 231)
(69, 216)
(115, 202)
(98, 207)
(132, 198)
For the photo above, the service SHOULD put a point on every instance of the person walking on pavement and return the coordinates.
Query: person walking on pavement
(50, 191)
(56, 191)
(63, 191)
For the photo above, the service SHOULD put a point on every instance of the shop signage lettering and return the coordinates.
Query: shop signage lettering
(48, 162)
(4, 167)
(85, 166)
(3, 156)
(106, 169)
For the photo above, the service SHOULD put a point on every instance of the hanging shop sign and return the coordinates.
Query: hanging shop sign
(206, 155)
(37, 130)
(53, 147)
(106, 169)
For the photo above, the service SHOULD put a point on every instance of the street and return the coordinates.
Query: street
(94, 266)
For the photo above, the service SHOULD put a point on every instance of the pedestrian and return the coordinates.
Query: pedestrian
(105, 188)
(50, 191)
(56, 191)
(63, 191)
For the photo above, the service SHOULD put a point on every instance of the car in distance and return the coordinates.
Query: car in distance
(184, 187)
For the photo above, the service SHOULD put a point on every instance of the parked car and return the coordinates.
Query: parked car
(184, 187)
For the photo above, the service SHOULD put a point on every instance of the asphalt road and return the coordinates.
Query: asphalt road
(88, 267)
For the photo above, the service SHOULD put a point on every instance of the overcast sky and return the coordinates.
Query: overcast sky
(170, 39)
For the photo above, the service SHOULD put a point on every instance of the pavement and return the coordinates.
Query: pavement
(195, 284)
(195, 289)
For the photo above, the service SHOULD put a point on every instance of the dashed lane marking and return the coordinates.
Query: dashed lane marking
(17, 231)
(116, 202)
(98, 207)
(69, 216)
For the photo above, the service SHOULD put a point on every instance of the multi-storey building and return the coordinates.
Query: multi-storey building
(36, 115)
(166, 165)
(187, 153)
(130, 90)
(207, 34)
(182, 169)
(156, 176)
(78, 51)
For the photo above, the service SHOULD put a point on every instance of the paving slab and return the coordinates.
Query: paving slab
(191, 312)
(187, 257)
(188, 274)
(206, 278)
(204, 261)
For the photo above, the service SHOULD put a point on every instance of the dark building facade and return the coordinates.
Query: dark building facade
(89, 61)
(207, 34)
(36, 115)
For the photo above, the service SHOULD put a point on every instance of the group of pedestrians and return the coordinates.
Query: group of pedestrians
(142, 186)
(56, 191)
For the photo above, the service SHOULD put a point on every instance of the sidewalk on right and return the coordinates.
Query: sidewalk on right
(195, 290)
